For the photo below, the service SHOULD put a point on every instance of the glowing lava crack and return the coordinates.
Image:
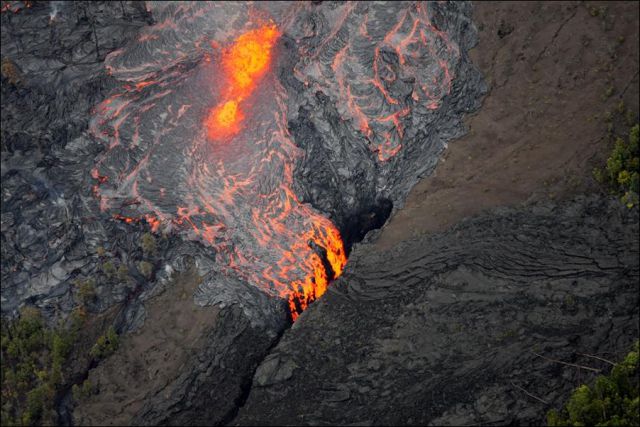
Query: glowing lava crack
(182, 156)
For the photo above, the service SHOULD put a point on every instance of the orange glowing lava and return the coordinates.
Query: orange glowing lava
(261, 231)
(224, 120)
(244, 62)
(414, 49)
(383, 75)
(327, 236)
(249, 57)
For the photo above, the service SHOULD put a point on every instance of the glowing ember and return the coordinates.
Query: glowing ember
(224, 120)
(249, 57)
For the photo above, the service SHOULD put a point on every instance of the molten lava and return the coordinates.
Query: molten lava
(244, 63)
(409, 55)
(249, 57)
(198, 140)
(224, 120)
(15, 6)
(238, 200)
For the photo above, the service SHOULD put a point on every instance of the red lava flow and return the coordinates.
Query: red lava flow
(291, 250)
(244, 63)
(215, 160)
(366, 96)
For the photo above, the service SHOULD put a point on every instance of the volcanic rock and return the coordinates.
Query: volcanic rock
(462, 327)
(103, 141)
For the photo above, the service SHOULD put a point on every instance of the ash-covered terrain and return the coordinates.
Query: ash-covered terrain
(196, 174)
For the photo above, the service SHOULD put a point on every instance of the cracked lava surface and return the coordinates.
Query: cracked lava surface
(198, 141)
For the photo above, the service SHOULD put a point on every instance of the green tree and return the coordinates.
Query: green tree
(106, 344)
(86, 291)
(123, 273)
(109, 269)
(148, 244)
(622, 171)
(33, 360)
(611, 401)
(145, 268)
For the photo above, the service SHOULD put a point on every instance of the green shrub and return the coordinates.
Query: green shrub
(609, 92)
(106, 345)
(82, 392)
(101, 251)
(33, 358)
(77, 318)
(123, 273)
(86, 291)
(630, 118)
(611, 401)
(148, 244)
(622, 172)
(39, 403)
(109, 269)
(145, 268)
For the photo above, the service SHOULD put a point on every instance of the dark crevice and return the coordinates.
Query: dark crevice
(64, 399)
(247, 383)
(356, 226)
(353, 231)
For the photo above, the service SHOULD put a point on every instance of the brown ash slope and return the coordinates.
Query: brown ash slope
(446, 329)
(556, 72)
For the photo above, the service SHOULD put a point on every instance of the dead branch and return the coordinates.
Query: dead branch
(596, 357)
(566, 363)
(529, 394)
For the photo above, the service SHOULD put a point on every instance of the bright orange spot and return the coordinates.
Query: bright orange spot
(226, 115)
(224, 120)
(153, 222)
(142, 85)
(248, 58)
(244, 63)
(326, 235)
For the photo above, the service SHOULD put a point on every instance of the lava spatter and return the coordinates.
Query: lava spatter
(160, 167)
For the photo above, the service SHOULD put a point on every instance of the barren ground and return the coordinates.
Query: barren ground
(150, 357)
(553, 70)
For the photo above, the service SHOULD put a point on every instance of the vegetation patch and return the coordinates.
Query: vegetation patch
(621, 174)
(106, 345)
(36, 364)
(611, 401)
(33, 357)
